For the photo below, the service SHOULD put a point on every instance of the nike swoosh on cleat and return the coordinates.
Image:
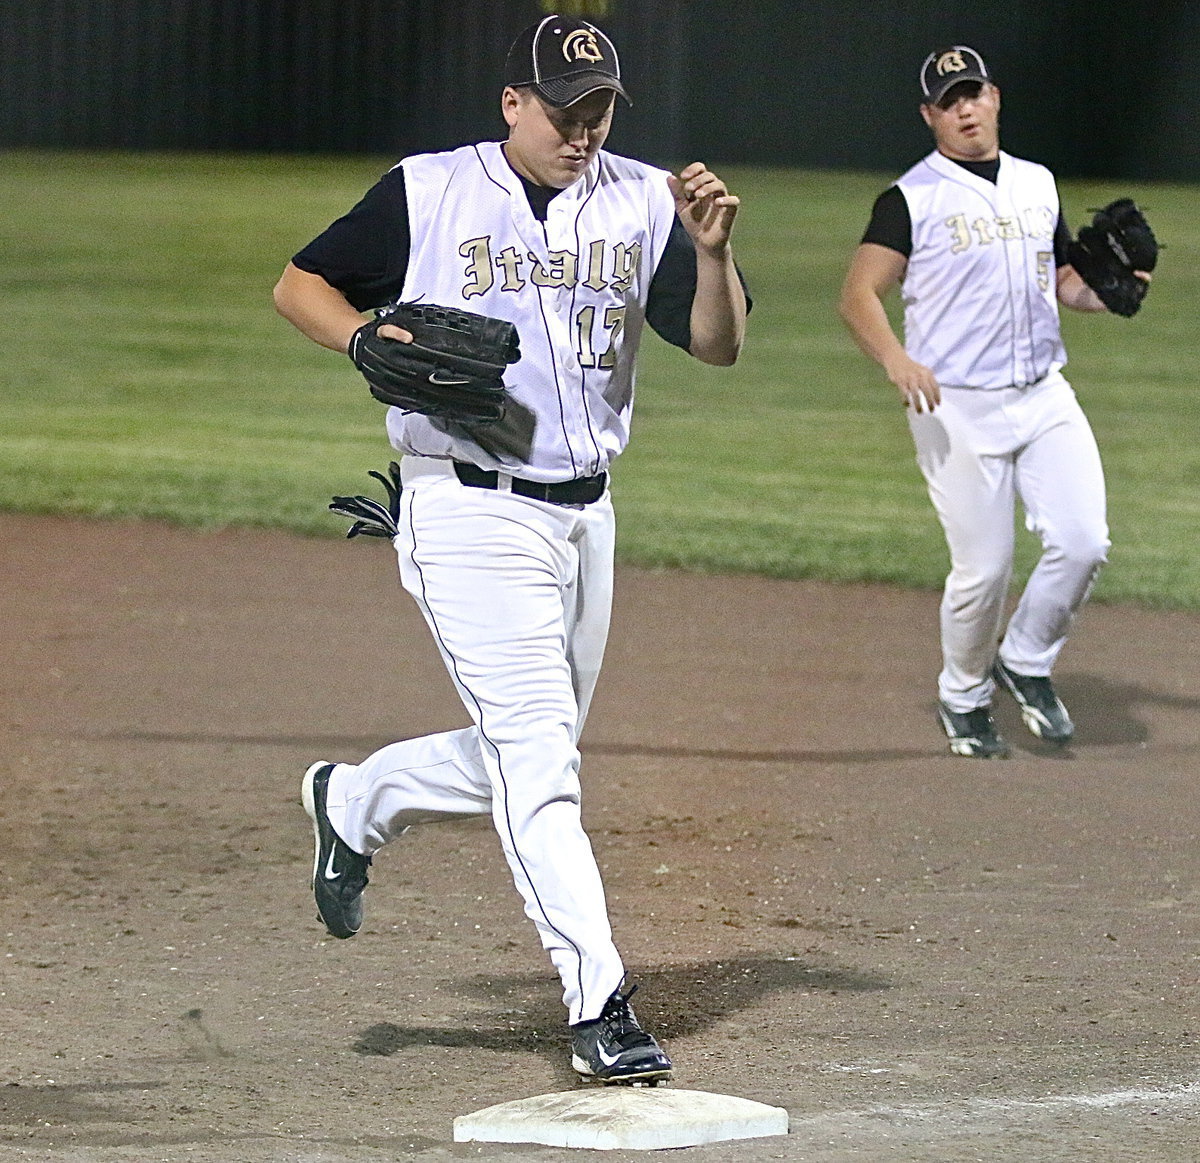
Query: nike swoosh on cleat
(331, 873)
(605, 1058)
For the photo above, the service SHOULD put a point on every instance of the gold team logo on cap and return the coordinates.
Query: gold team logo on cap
(950, 62)
(582, 45)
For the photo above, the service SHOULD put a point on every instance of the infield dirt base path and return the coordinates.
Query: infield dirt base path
(920, 957)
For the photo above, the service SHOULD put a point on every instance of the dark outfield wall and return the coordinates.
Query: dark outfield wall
(1101, 88)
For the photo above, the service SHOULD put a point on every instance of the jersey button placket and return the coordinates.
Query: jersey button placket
(563, 309)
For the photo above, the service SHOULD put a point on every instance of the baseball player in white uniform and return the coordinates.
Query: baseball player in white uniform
(976, 241)
(505, 532)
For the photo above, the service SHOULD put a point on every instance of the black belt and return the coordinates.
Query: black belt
(581, 491)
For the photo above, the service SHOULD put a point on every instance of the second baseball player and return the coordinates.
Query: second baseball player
(976, 241)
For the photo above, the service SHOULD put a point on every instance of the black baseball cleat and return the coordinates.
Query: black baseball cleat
(1041, 708)
(614, 1048)
(339, 873)
(973, 733)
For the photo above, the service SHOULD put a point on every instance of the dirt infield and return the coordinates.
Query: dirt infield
(920, 957)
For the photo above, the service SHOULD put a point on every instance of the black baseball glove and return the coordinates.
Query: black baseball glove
(453, 368)
(1118, 242)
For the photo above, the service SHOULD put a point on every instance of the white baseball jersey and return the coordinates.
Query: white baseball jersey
(575, 286)
(980, 292)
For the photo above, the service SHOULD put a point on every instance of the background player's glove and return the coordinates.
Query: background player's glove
(453, 368)
(1118, 242)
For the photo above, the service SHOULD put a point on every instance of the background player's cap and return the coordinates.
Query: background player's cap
(564, 59)
(950, 66)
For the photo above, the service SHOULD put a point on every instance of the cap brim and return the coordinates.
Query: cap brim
(563, 91)
(958, 79)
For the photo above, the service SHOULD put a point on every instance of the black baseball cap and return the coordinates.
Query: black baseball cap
(563, 59)
(946, 67)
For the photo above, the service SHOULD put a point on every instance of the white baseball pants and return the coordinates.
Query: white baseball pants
(517, 593)
(980, 451)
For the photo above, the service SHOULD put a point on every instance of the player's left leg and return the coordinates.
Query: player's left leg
(517, 595)
(612, 1046)
(1060, 481)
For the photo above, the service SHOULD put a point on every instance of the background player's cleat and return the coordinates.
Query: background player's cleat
(1041, 708)
(339, 873)
(614, 1048)
(973, 733)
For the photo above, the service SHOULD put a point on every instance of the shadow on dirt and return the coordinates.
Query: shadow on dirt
(1105, 712)
(358, 745)
(25, 1105)
(677, 1002)
(830, 755)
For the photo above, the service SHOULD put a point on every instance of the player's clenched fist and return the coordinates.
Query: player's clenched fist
(704, 205)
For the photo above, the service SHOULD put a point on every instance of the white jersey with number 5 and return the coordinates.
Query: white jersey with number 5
(575, 286)
(979, 292)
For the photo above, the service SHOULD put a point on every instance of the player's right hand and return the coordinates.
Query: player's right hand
(916, 384)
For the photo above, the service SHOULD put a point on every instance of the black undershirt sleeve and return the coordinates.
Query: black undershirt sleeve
(673, 289)
(1062, 239)
(364, 254)
(891, 223)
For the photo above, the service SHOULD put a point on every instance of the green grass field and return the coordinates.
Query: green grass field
(147, 375)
